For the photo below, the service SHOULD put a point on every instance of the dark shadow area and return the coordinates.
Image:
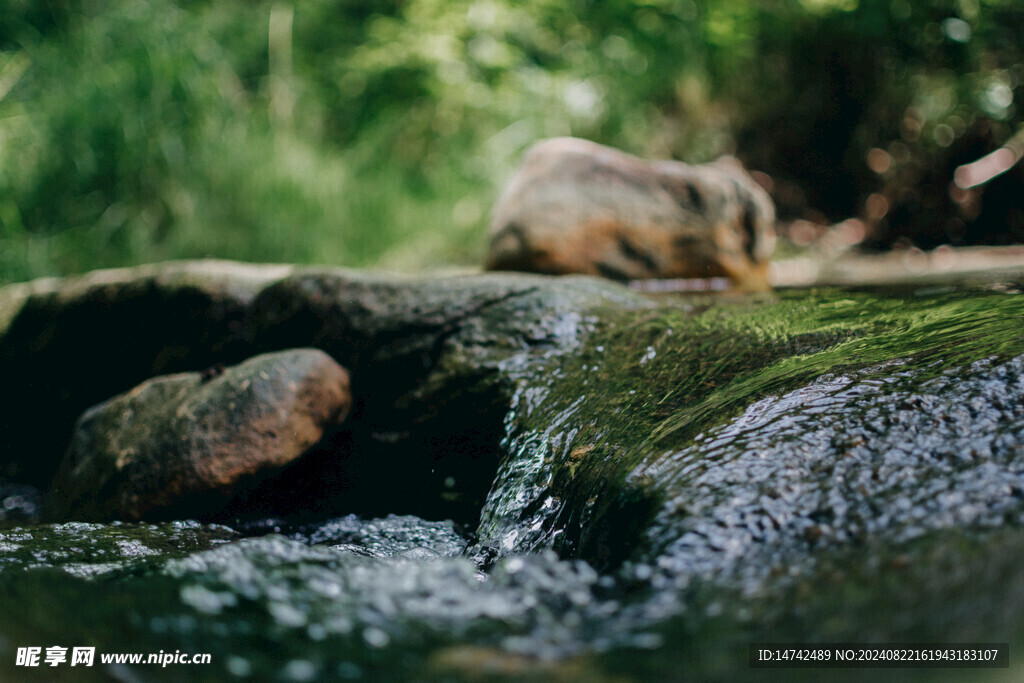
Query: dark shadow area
(406, 448)
(601, 518)
(439, 468)
(63, 358)
(617, 528)
(928, 209)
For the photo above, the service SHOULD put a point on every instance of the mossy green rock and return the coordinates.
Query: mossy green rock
(642, 486)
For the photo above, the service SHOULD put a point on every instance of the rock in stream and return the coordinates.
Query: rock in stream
(542, 477)
(181, 444)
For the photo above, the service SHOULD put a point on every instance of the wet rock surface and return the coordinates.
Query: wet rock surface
(92, 550)
(182, 445)
(883, 454)
(658, 483)
(578, 207)
(391, 535)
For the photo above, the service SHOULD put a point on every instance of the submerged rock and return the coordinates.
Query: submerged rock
(579, 207)
(184, 444)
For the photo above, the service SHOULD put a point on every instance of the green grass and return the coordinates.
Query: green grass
(271, 197)
(378, 134)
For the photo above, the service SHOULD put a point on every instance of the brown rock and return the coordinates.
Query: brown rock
(69, 343)
(578, 207)
(432, 348)
(182, 445)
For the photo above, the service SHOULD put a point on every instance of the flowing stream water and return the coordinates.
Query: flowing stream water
(826, 465)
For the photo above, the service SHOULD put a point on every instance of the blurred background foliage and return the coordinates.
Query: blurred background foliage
(378, 132)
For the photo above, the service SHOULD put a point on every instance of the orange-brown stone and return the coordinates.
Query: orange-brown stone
(184, 444)
(578, 207)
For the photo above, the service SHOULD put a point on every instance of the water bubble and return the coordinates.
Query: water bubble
(419, 553)
(376, 637)
(299, 670)
(514, 565)
(239, 666)
(205, 600)
(287, 615)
